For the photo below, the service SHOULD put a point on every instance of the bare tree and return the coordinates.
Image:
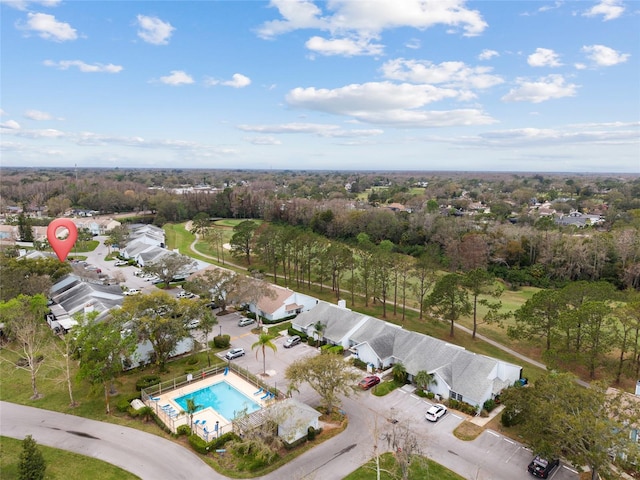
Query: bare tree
(170, 266)
(29, 334)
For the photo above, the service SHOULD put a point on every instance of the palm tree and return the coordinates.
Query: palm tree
(264, 340)
(318, 330)
(191, 409)
(423, 379)
(399, 372)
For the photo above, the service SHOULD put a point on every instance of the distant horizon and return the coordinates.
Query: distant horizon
(313, 170)
(527, 86)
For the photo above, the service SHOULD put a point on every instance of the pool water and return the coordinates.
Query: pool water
(222, 397)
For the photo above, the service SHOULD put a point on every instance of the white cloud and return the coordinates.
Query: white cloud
(346, 47)
(153, 30)
(263, 140)
(319, 129)
(177, 77)
(44, 133)
(47, 27)
(546, 88)
(386, 103)
(488, 54)
(413, 44)
(2, 112)
(546, 8)
(10, 125)
(609, 9)
(37, 115)
(604, 56)
(84, 67)
(24, 4)
(544, 57)
(237, 81)
(451, 74)
(353, 25)
(575, 134)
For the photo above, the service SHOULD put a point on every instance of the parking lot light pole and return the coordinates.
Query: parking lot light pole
(220, 330)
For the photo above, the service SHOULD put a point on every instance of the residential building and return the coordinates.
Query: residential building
(459, 374)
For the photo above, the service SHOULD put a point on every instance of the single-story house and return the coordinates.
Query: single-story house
(71, 295)
(97, 226)
(149, 234)
(284, 303)
(294, 419)
(75, 295)
(460, 374)
(338, 323)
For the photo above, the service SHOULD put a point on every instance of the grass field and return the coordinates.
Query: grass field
(422, 468)
(61, 465)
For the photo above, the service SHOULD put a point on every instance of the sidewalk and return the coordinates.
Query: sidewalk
(482, 421)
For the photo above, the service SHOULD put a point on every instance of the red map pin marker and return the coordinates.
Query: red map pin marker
(62, 247)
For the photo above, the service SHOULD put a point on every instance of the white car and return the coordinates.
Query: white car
(121, 263)
(132, 291)
(234, 353)
(185, 294)
(244, 321)
(435, 412)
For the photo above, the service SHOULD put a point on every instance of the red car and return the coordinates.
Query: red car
(367, 382)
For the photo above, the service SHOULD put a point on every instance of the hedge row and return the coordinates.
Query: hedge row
(202, 446)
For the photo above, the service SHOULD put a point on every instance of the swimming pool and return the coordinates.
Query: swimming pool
(222, 397)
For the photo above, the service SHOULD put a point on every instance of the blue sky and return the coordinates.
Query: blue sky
(542, 86)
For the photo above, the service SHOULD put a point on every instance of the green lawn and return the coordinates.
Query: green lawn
(421, 468)
(61, 465)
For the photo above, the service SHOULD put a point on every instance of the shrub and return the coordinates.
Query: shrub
(421, 393)
(359, 364)
(292, 331)
(198, 444)
(431, 395)
(311, 433)
(224, 438)
(183, 430)
(337, 349)
(222, 341)
(147, 381)
(489, 405)
(122, 405)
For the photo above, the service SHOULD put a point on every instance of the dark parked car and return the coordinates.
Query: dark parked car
(541, 467)
(367, 382)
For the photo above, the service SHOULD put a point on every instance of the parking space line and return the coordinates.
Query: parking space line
(507, 440)
(492, 433)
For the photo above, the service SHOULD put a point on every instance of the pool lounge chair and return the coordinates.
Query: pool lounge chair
(265, 396)
(197, 422)
(258, 392)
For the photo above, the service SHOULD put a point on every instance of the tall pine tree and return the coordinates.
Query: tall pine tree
(32, 465)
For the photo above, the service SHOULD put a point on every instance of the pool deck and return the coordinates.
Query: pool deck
(207, 415)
